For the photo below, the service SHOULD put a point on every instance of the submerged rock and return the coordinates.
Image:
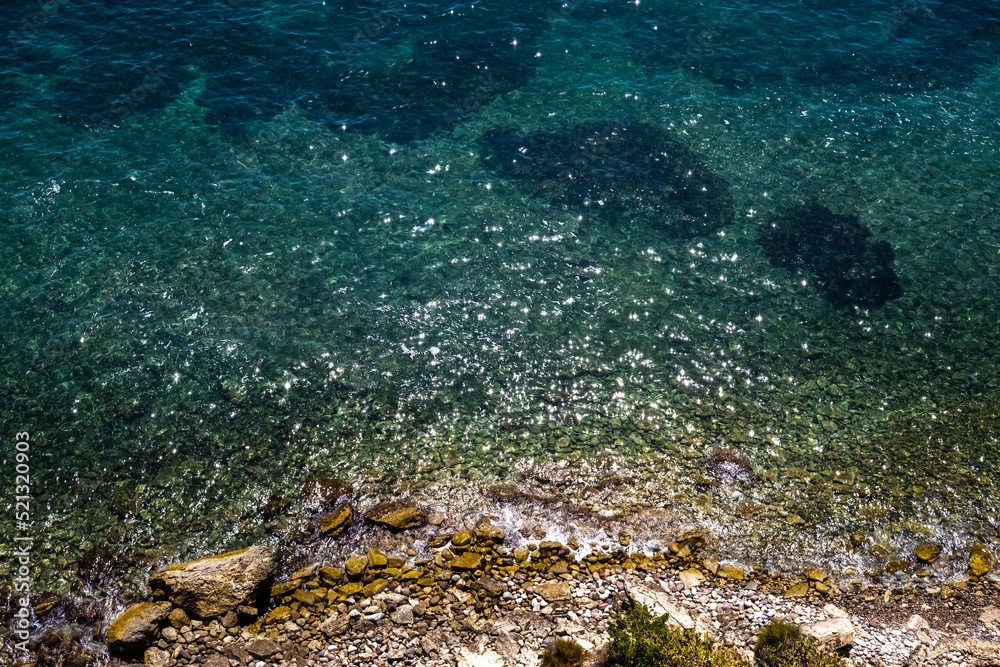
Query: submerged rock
(214, 585)
(850, 268)
(981, 560)
(731, 465)
(324, 490)
(397, 516)
(927, 553)
(618, 170)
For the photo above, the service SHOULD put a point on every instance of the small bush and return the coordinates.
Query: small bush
(782, 644)
(563, 653)
(639, 640)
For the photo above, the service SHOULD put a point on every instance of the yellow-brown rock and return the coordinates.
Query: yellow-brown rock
(470, 560)
(981, 560)
(356, 566)
(397, 516)
(337, 521)
(136, 628)
(927, 552)
(214, 585)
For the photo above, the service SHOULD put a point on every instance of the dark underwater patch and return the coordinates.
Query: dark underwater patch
(406, 72)
(614, 169)
(850, 267)
(882, 45)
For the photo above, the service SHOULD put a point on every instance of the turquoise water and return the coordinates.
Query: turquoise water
(249, 241)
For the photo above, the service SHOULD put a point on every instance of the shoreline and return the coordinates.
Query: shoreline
(472, 592)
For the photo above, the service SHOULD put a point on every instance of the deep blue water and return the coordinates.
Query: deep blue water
(436, 247)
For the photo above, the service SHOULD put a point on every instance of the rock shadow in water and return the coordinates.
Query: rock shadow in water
(616, 170)
(404, 71)
(850, 267)
(878, 45)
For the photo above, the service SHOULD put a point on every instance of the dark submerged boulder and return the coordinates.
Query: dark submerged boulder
(615, 169)
(850, 267)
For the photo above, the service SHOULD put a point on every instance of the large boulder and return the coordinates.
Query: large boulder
(136, 628)
(214, 585)
(397, 516)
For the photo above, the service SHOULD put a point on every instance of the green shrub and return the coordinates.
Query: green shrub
(639, 640)
(563, 653)
(782, 644)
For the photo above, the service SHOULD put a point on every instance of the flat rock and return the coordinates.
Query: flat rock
(990, 616)
(212, 586)
(403, 615)
(470, 560)
(335, 626)
(692, 578)
(136, 628)
(467, 658)
(335, 523)
(262, 648)
(659, 602)
(397, 516)
(157, 657)
(830, 634)
(554, 592)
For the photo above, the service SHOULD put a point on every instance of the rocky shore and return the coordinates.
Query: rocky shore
(477, 602)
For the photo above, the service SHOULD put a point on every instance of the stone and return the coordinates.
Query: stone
(927, 552)
(335, 626)
(816, 575)
(216, 660)
(797, 590)
(467, 658)
(462, 538)
(169, 634)
(397, 516)
(335, 523)
(830, 634)
(214, 585)
(178, 619)
(486, 532)
(990, 615)
(376, 559)
(403, 615)
(136, 629)
(659, 602)
(916, 622)
(470, 560)
(262, 648)
(733, 572)
(356, 566)
(692, 578)
(331, 575)
(554, 592)
(324, 490)
(490, 585)
(374, 588)
(157, 657)
(981, 560)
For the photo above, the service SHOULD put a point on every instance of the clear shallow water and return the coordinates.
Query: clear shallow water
(242, 244)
